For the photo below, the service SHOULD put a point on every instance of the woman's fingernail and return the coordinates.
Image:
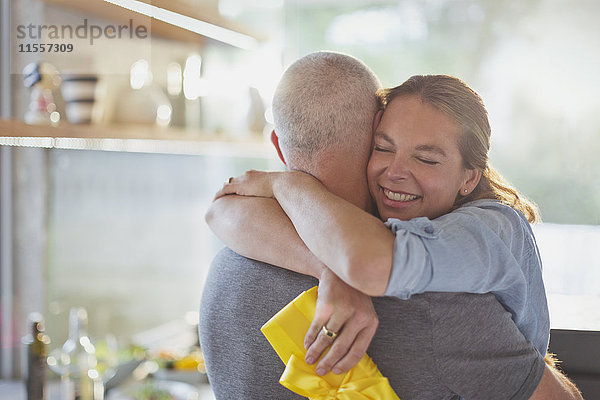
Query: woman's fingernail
(337, 371)
(310, 360)
(320, 371)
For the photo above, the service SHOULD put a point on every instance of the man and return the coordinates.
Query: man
(434, 346)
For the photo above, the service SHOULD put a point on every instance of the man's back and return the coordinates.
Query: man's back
(429, 347)
(240, 295)
(438, 345)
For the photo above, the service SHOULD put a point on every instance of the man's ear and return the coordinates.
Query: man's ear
(377, 119)
(275, 141)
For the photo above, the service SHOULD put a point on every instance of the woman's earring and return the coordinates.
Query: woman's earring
(466, 190)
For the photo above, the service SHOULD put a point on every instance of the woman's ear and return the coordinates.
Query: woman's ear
(275, 141)
(473, 176)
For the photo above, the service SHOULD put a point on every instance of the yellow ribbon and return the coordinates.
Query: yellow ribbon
(286, 330)
(300, 378)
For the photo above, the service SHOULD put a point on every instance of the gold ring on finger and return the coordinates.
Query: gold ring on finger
(330, 334)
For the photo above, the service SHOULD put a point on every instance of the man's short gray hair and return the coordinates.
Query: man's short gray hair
(324, 99)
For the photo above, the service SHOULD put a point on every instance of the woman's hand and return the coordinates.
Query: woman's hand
(252, 183)
(347, 312)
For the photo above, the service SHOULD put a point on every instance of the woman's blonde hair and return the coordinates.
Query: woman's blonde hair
(454, 98)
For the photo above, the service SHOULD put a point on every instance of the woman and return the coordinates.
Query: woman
(451, 222)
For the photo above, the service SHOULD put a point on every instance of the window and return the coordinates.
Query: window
(127, 238)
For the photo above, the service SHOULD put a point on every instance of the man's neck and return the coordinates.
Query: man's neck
(349, 183)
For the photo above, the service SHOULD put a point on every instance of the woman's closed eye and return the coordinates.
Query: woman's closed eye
(427, 161)
(382, 149)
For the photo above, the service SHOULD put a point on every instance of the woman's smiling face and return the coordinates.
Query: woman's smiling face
(416, 169)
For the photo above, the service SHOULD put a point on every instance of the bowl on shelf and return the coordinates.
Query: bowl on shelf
(79, 94)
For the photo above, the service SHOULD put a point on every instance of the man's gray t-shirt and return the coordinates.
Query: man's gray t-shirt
(433, 346)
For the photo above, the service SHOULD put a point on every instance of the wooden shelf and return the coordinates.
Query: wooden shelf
(129, 138)
(159, 28)
(18, 128)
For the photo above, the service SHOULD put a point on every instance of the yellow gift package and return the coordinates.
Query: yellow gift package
(285, 332)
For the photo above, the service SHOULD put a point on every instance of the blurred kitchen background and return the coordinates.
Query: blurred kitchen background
(111, 218)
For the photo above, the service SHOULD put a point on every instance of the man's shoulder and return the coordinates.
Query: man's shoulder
(228, 256)
(236, 271)
(229, 259)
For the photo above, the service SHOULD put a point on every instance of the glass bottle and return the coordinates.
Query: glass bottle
(78, 359)
(37, 350)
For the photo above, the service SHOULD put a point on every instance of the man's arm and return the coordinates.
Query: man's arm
(555, 386)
